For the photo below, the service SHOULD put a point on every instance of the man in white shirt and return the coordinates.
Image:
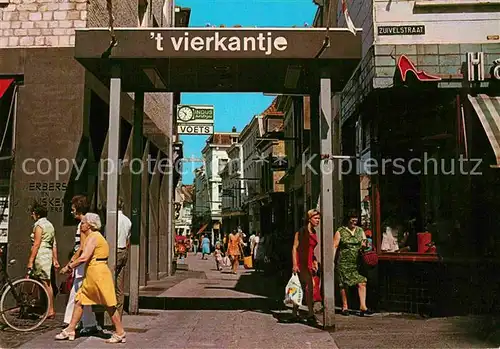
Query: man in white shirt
(122, 245)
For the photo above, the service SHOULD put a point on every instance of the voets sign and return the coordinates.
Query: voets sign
(195, 119)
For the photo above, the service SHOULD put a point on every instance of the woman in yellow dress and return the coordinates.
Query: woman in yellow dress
(97, 286)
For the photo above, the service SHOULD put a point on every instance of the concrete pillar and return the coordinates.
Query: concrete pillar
(112, 165)
(154, 191)
(326, 202)
(163, 222)
(143, 248)
(136, 204)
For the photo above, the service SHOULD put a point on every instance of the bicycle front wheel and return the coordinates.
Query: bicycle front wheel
(24, 305)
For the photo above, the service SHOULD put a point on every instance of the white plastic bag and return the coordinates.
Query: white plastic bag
(293, 291)
(226, 261)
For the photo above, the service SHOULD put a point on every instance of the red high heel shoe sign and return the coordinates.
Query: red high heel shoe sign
(405, 66)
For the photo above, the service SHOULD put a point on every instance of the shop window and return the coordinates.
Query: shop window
(416, 184)
(222, 164)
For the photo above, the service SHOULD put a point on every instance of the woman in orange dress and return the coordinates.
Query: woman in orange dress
(97, 286)
(234, 250)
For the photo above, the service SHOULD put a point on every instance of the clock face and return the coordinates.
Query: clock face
(185, 114)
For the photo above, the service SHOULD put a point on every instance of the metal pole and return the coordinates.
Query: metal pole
(327, 209)
(113, 165)
(136, 204)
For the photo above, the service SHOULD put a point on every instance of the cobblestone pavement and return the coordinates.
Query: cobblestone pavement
(13, 339)
(213, 309)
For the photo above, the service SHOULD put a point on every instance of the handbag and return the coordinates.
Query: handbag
(369, 258)
(65, 287)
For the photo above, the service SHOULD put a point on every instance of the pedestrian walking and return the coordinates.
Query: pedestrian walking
(255, 249)
(79, 208)
(43, 254)
(205, 247)
(123, 245)
(234, 249)
(218, 256)
(347, 242)
(196, 244)
(303, 262)
(97, 286)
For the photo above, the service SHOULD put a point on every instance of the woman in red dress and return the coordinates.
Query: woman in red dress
(302, 255)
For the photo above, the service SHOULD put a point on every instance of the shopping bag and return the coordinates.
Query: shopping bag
(247, 262)
(293, 291)
(226, 261)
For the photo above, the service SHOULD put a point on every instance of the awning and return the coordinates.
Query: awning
(203, 227)
(488, 111)
(4, 85)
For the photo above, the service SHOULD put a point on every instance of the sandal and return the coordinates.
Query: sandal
(115, 338)
(51, 316)
(345, 312)
(65, 335)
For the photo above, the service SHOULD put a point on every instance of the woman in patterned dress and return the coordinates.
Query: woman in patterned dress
(348, 240)
(43, 252)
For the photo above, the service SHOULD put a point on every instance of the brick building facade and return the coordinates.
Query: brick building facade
(61, 112)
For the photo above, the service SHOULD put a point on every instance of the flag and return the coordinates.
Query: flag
(165, 11)
(348, 19)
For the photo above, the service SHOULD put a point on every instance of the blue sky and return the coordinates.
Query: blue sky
(236, 109)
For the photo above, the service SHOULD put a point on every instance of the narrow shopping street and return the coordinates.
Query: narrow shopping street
(211, 309)
(209, 322)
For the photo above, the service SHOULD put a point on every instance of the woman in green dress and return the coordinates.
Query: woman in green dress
(43, 252)
(347, 242)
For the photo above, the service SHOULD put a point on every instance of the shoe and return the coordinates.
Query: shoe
(294, 319)
(345, 312)
(311, 321)
(117, 339)
(65, 335)
(88, 331)
(366, 312)
(51, 316)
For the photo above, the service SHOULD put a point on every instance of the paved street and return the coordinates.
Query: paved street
(211, 309)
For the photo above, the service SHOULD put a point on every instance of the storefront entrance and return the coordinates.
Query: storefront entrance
(306, 61)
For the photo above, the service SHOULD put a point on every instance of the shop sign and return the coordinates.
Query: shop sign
(495, 71)
(401, 30)
(195, 114)
(475, 66)
(219, 41)
(195, 129)
(44, 194)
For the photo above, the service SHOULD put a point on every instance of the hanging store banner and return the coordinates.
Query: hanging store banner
(195, 114)
(195, 129)
(195, 119)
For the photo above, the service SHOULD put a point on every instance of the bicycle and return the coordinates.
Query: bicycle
(24, 302)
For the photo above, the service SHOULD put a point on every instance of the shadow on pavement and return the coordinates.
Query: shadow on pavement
(484, 328)
(191, 303)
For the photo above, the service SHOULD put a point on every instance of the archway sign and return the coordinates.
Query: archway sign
(309, 61)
